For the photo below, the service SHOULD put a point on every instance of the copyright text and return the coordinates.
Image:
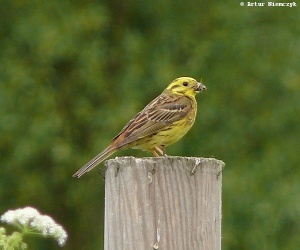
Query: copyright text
(268, 4)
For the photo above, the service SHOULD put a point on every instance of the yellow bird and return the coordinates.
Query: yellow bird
(161, 123)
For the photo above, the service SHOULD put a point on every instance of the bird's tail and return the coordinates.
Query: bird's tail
(95, 161)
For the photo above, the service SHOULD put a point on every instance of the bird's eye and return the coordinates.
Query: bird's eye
(185, 84)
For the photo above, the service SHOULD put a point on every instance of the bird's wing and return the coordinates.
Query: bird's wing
(161, 112)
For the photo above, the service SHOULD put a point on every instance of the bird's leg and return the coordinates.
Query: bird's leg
(161, 150)
(155, 153)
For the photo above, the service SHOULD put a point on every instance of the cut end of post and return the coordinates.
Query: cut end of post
(191, 163)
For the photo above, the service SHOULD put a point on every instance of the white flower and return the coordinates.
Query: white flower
(20, 216)
(31, 218)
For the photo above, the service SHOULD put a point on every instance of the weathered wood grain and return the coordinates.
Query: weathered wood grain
(157, 203)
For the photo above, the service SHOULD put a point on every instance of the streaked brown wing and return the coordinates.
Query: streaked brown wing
(161, 112)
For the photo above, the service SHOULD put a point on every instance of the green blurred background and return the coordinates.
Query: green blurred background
(72, 73)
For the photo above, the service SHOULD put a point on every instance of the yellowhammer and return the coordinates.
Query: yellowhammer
(161, 123)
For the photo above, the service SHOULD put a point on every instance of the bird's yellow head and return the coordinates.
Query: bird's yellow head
(185, 86)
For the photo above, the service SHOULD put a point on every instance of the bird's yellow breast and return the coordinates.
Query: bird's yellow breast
(169, 134)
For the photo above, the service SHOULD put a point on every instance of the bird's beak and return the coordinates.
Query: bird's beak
(200, 87)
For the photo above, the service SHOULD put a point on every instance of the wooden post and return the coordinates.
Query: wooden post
(163, 203)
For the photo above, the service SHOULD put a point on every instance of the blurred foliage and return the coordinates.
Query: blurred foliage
(72, 73)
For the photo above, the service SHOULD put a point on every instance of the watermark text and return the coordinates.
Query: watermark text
(268, 4)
